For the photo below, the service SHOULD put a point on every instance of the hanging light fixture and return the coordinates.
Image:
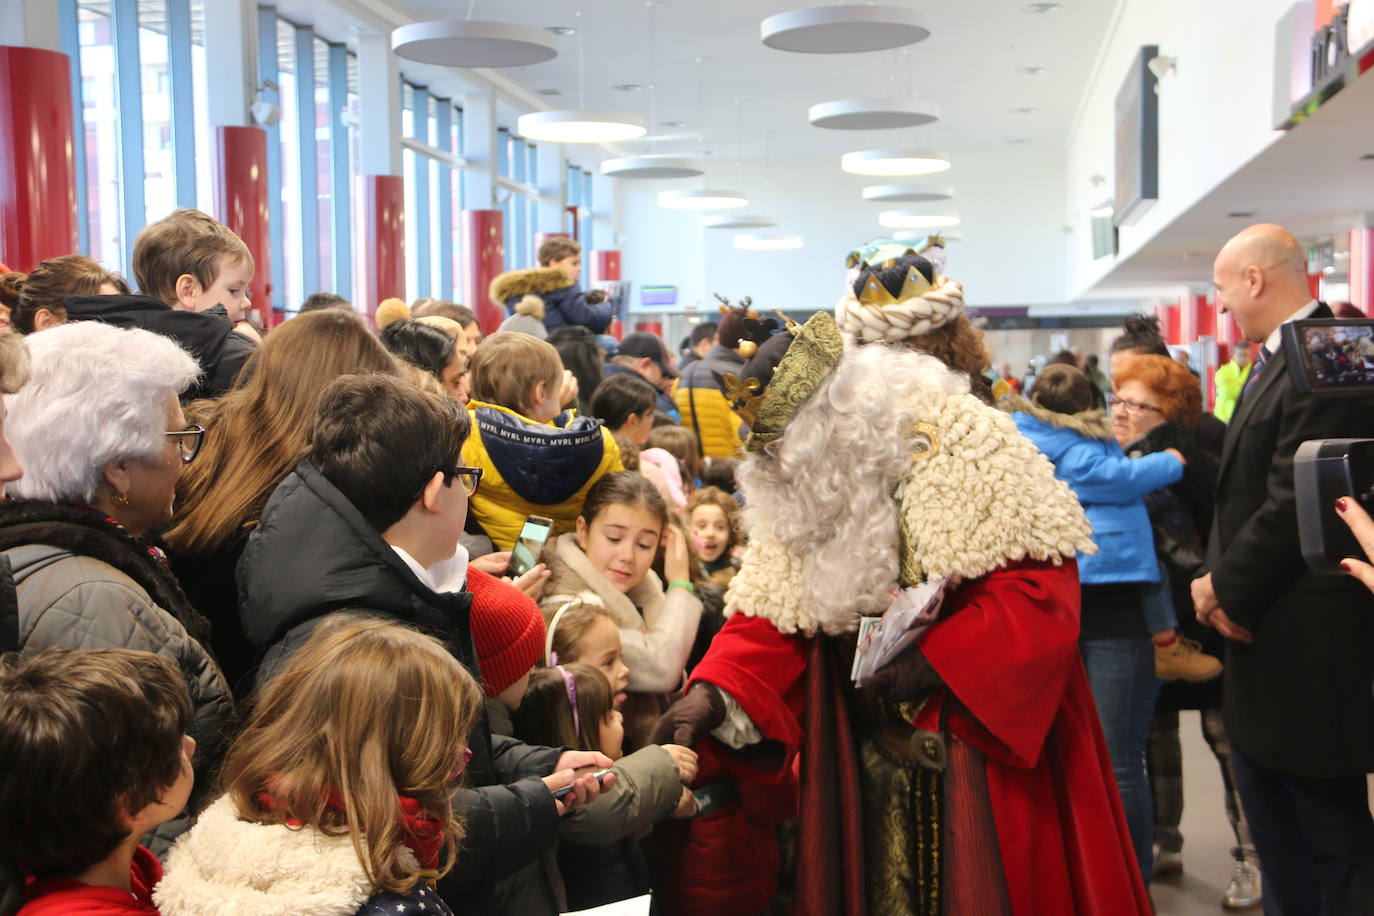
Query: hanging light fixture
(581, 125)
(702, 200)
(738, 221)
(906, 193)
(474, 44)
(842, 29)
(872, 114)
(768, 241)
(652, 167)
(894, 162)
(916, 219)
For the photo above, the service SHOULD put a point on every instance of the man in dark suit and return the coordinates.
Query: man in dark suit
(1300, 647)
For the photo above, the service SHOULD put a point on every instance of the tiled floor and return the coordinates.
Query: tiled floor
(1206, 832)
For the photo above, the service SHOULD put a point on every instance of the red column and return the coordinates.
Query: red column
(1362, 270)
(483, 244)
(1169, 319)
(1206, 316)
(37, 169)
(384, 240)
(653, 327)
(241, 204)
(1314, 285)
(605, 266)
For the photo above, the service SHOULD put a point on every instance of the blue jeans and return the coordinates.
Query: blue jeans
(1157, 600)
(1121, 673)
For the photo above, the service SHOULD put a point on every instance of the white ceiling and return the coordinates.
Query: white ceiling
(1313, 180)
(968, 67)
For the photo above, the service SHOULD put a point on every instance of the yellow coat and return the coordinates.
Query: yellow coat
(532, 468)
(719, 425)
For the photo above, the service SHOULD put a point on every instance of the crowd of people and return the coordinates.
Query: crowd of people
(389, 616)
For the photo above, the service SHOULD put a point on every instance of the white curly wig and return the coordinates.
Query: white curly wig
(823, 522)
(96, 393)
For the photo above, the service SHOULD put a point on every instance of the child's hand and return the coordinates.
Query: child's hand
(675, 555)
(567, 395)
(493, 564)
(686, 760)
(532, 582)
(686, 805)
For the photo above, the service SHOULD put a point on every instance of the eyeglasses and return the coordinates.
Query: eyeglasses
(469, 476)
(188, 442)
(1131, 407)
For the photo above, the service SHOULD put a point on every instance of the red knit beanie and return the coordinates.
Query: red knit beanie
(507, 630)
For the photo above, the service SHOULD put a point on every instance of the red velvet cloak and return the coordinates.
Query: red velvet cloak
(1006, 648)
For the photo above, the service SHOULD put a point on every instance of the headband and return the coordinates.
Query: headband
(550, 656)
(572, 699)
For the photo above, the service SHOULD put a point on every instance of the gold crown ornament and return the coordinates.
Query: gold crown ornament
(876, 295)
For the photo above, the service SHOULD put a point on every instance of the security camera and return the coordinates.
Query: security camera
(1160, 65)
(265, 114)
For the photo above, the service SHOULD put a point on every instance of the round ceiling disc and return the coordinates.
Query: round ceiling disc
(843, 29)
(474, 44)
(906, 193)
(872, 114)
(653, 167)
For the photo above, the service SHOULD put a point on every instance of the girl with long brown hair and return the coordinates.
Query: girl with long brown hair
(338, 793)
(254, 436)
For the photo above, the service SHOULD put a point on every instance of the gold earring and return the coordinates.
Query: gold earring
(122, 499)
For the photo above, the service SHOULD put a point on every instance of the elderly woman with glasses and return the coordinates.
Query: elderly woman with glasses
(102, 440)
(1157, 405)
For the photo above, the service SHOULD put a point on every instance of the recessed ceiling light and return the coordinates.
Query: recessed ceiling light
(768, 241)
(894, 162)
(580, 126)
(549, 91)
(1025, 110)
(629, 87)
(1040, 7)
(1030, 71)
(872, 114)
(1018, 141)
(560, 29)
(843, 29)
(472, 43)
(673, 125)
(702, 200)
(1241, 214)
(916, 219)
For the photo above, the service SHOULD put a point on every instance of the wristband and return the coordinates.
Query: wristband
(682, 583)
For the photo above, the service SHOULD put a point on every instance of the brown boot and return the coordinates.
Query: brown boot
(1184, 660)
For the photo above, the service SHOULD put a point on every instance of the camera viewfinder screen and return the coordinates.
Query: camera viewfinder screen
(1339, 356)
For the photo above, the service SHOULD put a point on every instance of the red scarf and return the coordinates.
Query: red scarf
(422, 834)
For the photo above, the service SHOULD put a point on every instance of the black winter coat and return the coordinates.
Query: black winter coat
(1181, 518)
(313, 555)
(209, 336)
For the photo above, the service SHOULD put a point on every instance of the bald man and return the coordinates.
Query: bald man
(1300, 647)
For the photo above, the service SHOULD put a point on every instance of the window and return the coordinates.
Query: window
(289, 138)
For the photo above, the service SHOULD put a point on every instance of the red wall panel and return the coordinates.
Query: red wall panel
(384, 240)
(484, 250)
(37, 168)
(241, 199)
(605, 266)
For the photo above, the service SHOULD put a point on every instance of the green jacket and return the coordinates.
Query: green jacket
(1230, 379)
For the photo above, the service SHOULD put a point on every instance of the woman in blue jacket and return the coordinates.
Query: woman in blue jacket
(1114, 640)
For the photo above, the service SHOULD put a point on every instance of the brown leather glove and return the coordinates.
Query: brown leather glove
(907, 677)
(596, 296)
(698, 713)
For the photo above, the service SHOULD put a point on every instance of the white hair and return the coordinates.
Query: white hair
(819, 502)
(96, 394)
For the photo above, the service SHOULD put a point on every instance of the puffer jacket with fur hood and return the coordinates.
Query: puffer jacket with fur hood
(560, 300)
(1109, 486)
(225, 866)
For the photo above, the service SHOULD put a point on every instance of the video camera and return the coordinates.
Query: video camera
(1323, 471)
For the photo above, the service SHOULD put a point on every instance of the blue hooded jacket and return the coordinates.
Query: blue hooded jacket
(1109, 485)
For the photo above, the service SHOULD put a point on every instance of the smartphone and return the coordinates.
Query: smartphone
(600, 778)
(525, 554)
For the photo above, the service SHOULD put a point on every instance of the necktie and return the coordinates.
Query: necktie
(1261, 359)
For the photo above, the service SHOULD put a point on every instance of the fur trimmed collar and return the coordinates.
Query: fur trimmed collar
(85, 533)
(531, 281)
(225, 866)
(572, 575)
(1094, 424)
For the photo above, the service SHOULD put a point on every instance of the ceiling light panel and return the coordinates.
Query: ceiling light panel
(843, 29)
(895, 162)
(474, 44)
(872, 114)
